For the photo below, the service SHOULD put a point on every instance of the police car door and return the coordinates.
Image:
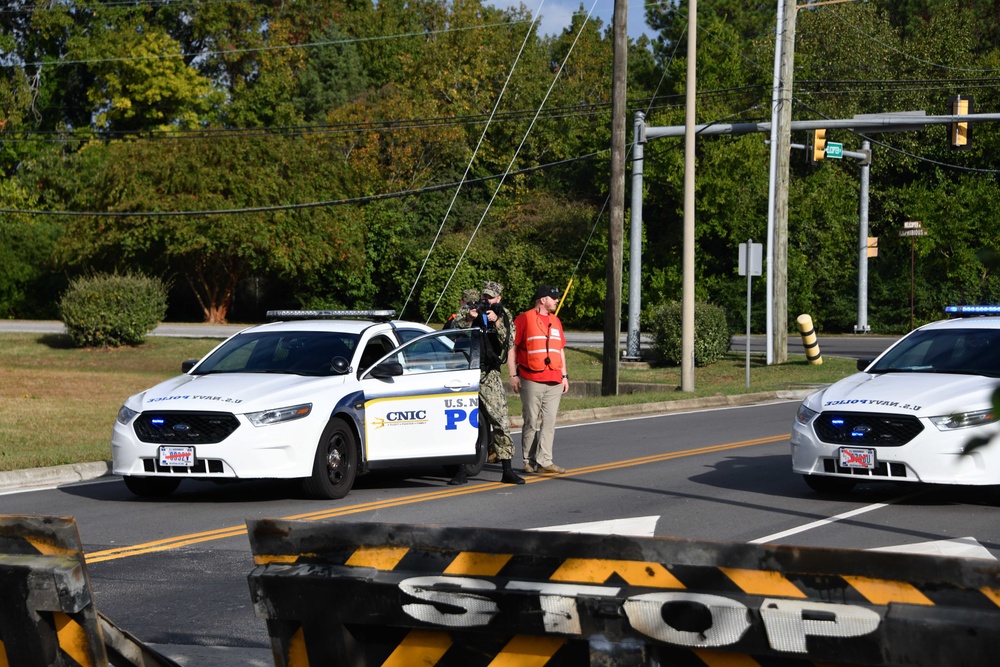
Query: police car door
(421, 402)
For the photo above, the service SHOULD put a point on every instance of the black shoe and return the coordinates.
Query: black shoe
(509, 476)
(460, 477)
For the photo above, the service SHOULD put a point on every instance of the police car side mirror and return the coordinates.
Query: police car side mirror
(864, 363)
(387, 369)
(340, 365)
(188, 364)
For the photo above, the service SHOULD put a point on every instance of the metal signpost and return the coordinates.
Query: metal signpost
(750, 264)
(913, 229)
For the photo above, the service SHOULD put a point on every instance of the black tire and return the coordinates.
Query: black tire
(335, 465)
(482, 450)
(830, 485)
(152, 487)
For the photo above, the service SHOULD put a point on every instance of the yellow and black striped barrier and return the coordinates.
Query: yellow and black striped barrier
(386, 595)
(47, 614)
(809, 340)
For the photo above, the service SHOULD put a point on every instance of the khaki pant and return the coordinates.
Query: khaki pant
(539, 405)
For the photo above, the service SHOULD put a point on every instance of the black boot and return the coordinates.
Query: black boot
(509, 476)
(460, 476)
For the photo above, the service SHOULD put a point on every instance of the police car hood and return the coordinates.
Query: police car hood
(922, 394)
(236, 392)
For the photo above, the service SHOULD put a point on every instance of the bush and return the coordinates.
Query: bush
(711, 333)
(108, 310)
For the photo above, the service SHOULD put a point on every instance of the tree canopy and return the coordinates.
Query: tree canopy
(340, 153)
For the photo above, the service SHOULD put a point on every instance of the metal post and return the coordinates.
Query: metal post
(913, 262)
(687, 263)
(635, 241)
(862, 325)
(748, 262)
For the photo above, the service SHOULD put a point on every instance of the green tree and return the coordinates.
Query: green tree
(211, 252)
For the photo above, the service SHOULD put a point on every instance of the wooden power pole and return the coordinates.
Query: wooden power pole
(779, 254)
(616, 225)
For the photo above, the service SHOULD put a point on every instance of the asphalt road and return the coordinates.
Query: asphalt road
(173, 572)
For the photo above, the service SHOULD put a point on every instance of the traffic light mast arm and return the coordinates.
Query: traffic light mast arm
(866, 125)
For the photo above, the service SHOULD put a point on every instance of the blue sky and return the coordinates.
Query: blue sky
(556, 14)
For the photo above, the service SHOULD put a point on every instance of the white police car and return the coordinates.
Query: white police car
(920, 412)
(320, 395)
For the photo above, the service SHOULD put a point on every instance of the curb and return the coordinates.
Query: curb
(82, 472)
(64, 474)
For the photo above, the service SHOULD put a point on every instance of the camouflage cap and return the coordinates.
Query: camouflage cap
(492, 289)
(470, 295)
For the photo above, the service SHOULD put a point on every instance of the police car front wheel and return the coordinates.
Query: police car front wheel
(336, 463)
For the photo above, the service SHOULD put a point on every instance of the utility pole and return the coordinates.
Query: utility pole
(866, 163)
(613, 281)
(778, 276)
(687, 279)
(635, 241)
(772, 180)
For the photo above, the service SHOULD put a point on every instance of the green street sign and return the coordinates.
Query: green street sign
(834, 150)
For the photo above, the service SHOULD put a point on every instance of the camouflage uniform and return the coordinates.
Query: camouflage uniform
(469, 298)
(492, 396)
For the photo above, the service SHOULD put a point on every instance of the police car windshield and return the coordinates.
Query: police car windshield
(294, 352)
(954, 351)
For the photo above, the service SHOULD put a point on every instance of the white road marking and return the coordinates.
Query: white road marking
(962, 547)
(825, 522)
(643, 526)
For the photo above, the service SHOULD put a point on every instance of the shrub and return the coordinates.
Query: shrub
(711, 333)
(111, 310)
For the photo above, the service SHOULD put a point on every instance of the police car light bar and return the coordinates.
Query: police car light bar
(387, 314)
(972, 310)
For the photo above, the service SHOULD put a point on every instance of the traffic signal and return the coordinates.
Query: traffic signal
(958, 133)
(818, 145)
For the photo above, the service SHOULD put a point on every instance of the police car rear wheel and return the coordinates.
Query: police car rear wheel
(335, 465)
(832, 485)
(152, 487)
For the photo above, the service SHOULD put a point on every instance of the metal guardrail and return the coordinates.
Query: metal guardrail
(366, 594)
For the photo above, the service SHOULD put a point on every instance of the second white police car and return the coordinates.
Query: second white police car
(321, 396)
(921, 412)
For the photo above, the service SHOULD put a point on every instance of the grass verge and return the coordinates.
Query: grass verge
(58, 402)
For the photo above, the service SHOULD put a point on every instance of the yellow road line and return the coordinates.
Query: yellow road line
(179, 541)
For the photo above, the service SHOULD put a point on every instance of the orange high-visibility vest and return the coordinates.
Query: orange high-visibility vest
(541, 345)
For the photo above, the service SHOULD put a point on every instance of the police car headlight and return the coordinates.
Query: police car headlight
(805, 415)
(964, 420)
(278, 415)
(125, 415)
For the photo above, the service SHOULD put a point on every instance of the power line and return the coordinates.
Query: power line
(256, 49)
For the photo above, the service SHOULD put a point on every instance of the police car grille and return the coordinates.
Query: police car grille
(184, 428)
(201, 466)
(867, 428)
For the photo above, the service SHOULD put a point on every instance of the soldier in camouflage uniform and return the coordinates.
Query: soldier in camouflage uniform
(499, 338)
(460, 320)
